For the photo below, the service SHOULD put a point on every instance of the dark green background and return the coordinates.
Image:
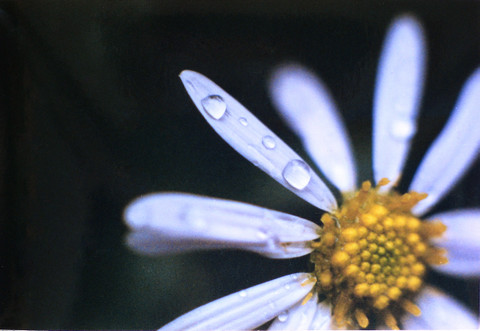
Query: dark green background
(93, 115)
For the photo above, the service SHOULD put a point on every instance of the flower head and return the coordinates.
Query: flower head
(372, 250)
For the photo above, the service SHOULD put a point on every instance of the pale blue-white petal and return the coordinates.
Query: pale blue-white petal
(248, 308)
(323, 319)
(398, 92)
(462, 242)
(166, 223)
(248, 136)
(307, 106)
(440, 312)
(453, 151)
(299, 317)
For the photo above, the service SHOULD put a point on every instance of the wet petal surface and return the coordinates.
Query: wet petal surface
(308, 108)
(252, 139)
(397, 96)
(248, 308)
(167, 223)
(299, 317)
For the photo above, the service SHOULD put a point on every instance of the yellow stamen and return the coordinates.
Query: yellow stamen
(383, 182)
(342, 306)
(411, 307)
(307, 297)
(391, 321)
(372, 254)
(361, 318)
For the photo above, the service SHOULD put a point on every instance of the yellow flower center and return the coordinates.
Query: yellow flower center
(372, 256)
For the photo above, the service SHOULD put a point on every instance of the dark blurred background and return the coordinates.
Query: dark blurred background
(92, 115)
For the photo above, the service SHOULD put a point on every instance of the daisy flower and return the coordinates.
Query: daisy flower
(370, 254)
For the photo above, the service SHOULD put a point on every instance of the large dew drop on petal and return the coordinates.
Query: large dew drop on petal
(252, 139)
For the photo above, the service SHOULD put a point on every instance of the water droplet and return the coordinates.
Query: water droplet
(282, 317)
(242, 293)
(403, 129)
(262, 234)
(297, 174)
(198, 223)
(287, 287)
(243, 121)
(195, 219)
(214, 106)
(268, 142)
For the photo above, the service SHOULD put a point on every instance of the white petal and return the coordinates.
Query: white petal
(461, 239)
(307, 106)
(454, 150)
(440, 311)
(248, 308)
(398, 92)
(323, 319)
(299, 317)
(166, 223)
(248, 136)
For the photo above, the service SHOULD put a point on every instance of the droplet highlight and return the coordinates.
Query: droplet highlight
(297, 174)
(403, 129)
(262, 234)
(243, 121)
(269, 142)
(214, 106)
(283, 317)
(242, 294)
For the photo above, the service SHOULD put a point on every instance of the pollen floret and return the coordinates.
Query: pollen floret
(372, 256)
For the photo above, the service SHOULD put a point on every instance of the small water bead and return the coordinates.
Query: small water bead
(214, 106)
(269, 142)
(195, 219)
(262, 234)
(283, 317)
(243, 121)
(243, 293)
(403, 129)
(297, 174)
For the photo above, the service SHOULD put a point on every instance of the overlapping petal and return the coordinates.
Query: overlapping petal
(166, 223)
(440, 312)
(307, 106)
(453, 151)
(323, 319)
(252, 139)
(299, 317)
(173, 222)
(398, 90)
(248, 308)
(462, 241)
